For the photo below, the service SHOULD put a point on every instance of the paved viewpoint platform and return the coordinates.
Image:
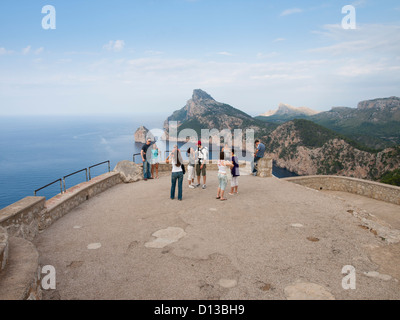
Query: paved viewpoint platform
(274, 240)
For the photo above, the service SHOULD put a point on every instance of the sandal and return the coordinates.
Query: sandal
(218, 198)
(224, 199)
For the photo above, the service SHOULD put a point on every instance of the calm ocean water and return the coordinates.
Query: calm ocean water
(35, 151)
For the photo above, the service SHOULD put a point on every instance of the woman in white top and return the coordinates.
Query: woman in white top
(223, 175)
(177, 174)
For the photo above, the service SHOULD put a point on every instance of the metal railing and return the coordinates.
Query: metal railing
(135, 155)
(65, 189)
(62, 180)
(96, 165)
(50, 184)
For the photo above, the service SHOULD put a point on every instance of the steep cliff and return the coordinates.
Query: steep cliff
(140, 134)
(308, 149)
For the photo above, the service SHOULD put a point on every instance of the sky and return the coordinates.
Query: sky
(147, 56)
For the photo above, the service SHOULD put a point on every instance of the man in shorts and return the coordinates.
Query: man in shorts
(201, 158)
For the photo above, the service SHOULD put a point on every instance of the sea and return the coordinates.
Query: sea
(38, 150)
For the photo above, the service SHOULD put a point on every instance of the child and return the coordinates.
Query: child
(154, 160)
(235, 174)
(191, 167)
(222, 175)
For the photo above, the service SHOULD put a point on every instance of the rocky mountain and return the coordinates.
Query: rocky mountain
(140, 134)
(375, 123)
(286, 112)
(306, 148)
(204, 112)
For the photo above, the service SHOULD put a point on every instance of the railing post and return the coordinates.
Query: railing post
(62, 180)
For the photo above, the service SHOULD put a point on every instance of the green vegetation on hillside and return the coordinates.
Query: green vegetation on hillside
(391, 177)
(375, 123)
(376, 127)
(193, 124)
(315, 136)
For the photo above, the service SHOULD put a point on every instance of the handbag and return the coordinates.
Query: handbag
(183, 168)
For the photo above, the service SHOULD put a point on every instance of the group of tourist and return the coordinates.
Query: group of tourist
(197, 167)
(228, 163)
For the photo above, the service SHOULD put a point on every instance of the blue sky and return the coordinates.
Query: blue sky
(147, 56)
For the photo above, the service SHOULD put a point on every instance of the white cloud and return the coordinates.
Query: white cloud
(64, 61)
(4, 51)
(116, 46)
(225, 53)
(39, 51)
(153, 53)
(291, 11)
(281, 77)
(279, 40)
(359, 3)
(318, 83)
(84, 53)
(26, 50)
(370, 39)
(261, 55)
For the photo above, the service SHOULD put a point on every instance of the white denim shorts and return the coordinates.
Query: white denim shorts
(234, 182)
(191, 173)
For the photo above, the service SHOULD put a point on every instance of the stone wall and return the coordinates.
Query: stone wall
(21, 219)
(370, 189)
(3, 248)
(264, 167)
(64, 203)
(30, 215)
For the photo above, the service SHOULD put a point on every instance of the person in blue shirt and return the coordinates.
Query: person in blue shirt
(155, 152)
(258, 154)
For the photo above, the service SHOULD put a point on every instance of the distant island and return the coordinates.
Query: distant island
(362, 142)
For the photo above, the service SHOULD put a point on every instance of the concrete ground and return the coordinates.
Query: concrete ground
(274, 240)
